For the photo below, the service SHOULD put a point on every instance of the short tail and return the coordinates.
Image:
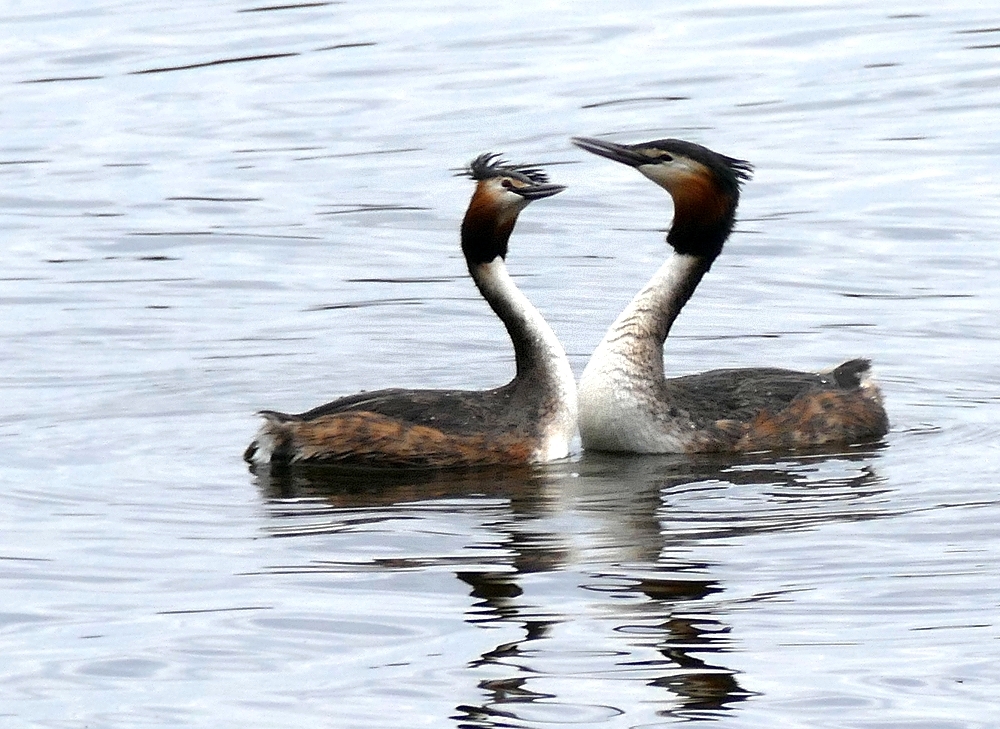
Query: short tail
(856, 374)
(853, 373)
(273, 442)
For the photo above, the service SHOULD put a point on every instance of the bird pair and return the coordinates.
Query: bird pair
(623, 402)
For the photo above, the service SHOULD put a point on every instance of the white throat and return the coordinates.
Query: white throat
(621, 383)
(635, 340)
(541, 360)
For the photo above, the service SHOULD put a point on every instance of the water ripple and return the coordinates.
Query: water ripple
(213, 208)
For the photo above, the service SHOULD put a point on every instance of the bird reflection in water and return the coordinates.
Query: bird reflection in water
(666, 630)
(627, 530)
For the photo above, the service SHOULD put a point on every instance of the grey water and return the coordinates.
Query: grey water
(211, 208)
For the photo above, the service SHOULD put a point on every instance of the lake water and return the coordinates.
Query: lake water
(211, 208)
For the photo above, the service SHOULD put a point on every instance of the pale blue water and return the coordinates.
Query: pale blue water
(207, 209)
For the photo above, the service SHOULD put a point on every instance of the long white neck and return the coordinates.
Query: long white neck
(632, 348)
(539, 355)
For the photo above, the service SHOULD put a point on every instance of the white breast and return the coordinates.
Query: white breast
(620, 390)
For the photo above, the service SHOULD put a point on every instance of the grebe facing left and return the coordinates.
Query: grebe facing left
(529, 420)
(626, 403)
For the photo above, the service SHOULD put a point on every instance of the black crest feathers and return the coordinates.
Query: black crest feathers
(492, 164)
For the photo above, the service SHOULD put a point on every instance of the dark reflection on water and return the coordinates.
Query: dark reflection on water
(210, 208)
(659, 614)
(366, 488)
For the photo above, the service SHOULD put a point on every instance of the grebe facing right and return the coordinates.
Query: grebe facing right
(626, 403)
(532, 419)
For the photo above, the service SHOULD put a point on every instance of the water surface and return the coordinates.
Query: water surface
(211, 209)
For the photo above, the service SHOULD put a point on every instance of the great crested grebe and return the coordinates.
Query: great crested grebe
(529, 420)
(626, 403)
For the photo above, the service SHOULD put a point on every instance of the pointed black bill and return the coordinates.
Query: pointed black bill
(537, 192)
(625, 154)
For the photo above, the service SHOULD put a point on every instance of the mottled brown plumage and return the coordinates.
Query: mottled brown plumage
(817, 417)
(626, 402)
(368, 438)
(529, 420)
